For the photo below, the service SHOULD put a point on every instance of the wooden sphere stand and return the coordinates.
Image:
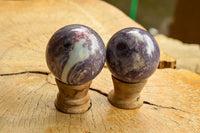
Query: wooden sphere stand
(72, 99)
(126, 95)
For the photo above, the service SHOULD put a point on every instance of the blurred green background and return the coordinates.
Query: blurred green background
(178, 19)
(150, 13)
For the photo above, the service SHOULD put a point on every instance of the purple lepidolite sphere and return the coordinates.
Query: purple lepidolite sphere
(132, 55)
(75, 54)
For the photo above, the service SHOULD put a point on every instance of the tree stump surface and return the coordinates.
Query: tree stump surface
(28, 89)
(26, 27)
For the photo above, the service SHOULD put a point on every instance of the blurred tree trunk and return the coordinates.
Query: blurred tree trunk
(186, 25)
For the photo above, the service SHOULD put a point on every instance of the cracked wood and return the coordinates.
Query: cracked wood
(28, 91)
(26, 27)
(29, 106)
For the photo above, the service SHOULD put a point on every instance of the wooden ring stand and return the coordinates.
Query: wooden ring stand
(126, 95)
(72, 98)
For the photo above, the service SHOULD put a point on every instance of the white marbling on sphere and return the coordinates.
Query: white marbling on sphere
(143, 38)
(132, 55)
(75, 54)
(78, 54)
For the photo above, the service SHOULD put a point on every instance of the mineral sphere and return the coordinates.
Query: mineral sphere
(75, 54)
(132, 55)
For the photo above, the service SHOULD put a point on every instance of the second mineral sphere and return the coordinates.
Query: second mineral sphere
(132, 55)
(75, 54)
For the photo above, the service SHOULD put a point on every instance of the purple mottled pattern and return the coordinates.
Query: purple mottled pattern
(132, 55)
(63, 42)
(83, 70)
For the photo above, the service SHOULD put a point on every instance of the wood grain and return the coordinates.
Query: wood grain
(28, 90)
(166, 61)
(26, 27)
(173, 105)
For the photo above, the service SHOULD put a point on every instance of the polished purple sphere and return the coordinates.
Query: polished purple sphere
(75, 54)
(132, 55)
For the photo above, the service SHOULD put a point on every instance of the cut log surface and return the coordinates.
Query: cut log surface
(26, 27)
(28, 90)
(171, 104)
